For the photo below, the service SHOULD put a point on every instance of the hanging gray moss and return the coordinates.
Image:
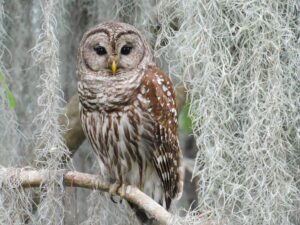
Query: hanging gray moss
(240, 63)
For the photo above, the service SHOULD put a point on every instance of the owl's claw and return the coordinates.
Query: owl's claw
(113, 200)
(113, 189)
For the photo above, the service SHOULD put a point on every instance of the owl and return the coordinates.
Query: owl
(128, 112)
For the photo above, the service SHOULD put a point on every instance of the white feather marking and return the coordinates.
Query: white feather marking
(166, 176)
(158, 81)
(160, 159)
(175, 162)
(165, 88)
(142, 99)
(143, 90)
(173, 110)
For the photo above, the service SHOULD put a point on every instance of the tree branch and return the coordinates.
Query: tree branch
(35, 178)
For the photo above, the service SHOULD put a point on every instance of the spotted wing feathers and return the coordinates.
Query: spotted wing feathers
(167, 154)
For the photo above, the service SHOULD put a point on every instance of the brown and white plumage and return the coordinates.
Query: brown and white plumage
(130, 118)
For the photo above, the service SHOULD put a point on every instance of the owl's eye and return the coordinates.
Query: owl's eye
(100, 50)
(125, 50)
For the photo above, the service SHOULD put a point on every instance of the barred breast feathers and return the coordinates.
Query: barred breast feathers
(102, 92)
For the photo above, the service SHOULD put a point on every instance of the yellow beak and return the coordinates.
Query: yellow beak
(114, 67)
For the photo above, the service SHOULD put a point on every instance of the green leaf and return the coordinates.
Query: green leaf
(2, 78)
(9, 94)
(185, 121)
(11, 99)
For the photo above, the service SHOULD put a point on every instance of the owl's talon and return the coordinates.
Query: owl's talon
(113, 190)
(112, 199)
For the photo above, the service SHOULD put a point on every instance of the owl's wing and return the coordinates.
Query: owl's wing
(166, 156)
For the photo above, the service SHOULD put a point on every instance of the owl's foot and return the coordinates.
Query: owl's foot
(122, 191)
(113, 190)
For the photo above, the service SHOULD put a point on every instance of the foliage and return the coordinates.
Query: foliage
(185, 121)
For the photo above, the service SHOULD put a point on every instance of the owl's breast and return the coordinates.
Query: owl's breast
(109, 93)
(118, 136)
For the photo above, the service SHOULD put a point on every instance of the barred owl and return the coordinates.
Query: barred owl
(128, 111)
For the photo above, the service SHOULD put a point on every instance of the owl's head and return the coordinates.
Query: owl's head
(113, 48)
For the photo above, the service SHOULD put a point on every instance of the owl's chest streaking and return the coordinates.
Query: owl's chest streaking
(122, 139)
(102, 93)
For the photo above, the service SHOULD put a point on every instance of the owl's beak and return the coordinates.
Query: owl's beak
(114, 67)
